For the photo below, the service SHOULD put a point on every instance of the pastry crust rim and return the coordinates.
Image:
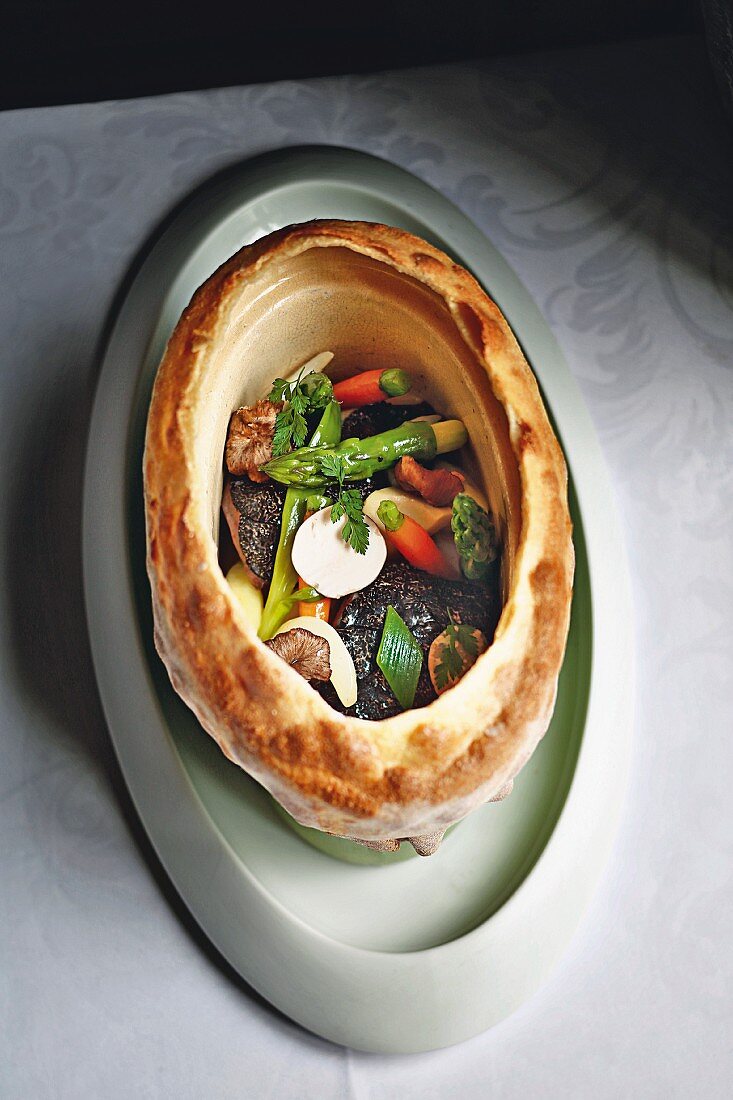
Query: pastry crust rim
(333, 772)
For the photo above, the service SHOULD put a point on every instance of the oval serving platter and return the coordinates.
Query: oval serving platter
(386, 954)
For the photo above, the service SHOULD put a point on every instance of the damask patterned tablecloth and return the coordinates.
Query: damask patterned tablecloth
(605, 177)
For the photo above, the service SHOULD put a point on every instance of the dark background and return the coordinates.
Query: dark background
(65, 51)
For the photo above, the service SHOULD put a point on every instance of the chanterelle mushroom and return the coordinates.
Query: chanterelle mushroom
(307, 653)
(249, 442)
(437, 487)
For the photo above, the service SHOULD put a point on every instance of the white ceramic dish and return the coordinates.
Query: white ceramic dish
(400, 954)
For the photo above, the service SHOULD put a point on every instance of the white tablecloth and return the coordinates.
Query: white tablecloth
(604, 176)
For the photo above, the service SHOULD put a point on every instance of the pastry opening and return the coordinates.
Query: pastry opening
(362, 486)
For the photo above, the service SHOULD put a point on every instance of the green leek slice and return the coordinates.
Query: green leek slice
(400, 658)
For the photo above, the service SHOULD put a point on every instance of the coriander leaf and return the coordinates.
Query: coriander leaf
(298, 400)
(441, 677)
(356, 531)
(455, 661)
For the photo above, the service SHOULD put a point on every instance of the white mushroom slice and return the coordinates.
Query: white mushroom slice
(327, 563)
(427, 515)
(343, 673)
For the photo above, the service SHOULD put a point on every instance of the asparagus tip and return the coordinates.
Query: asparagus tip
(395, 382)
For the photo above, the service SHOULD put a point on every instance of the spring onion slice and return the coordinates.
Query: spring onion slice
(400, 658)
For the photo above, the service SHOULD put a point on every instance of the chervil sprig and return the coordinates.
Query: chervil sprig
(348, 503)
(302, 397)
(455, 660)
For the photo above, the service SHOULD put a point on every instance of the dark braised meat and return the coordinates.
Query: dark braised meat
(380, 417)
(423, 602)
(259, 510)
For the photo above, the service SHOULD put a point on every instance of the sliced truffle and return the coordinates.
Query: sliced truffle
(381, 417)
(249, 441)
(423, 602)
(253, 512)
(309, 654)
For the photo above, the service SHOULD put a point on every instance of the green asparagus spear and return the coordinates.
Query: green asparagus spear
(475, 537)
(284, 577)
(361, 458)
(328, 432)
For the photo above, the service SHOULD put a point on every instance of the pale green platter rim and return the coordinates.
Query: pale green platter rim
(594, 702)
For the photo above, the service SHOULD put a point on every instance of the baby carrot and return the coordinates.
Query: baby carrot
(370, 386)
(318, 609)
(412, 540)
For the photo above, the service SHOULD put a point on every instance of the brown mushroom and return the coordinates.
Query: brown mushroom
(452, 653)
(437, 487)
(307, 653)
(249, 441)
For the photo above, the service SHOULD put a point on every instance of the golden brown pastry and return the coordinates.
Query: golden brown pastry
(375, 296)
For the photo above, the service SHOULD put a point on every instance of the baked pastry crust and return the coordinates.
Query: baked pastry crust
(416, 773)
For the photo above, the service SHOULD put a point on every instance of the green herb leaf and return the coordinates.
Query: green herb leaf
(317, 389)
(400, 658)
(317, 501)
(282, 436)
(450, 667)
(465, 638)
(332, 466)
(279, 390)
(290, 430)
(302, 397)
(355, 531)
(453, 663)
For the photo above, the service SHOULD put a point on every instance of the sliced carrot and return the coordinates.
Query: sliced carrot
(316, 609)
(413, 542)
(370, 386)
